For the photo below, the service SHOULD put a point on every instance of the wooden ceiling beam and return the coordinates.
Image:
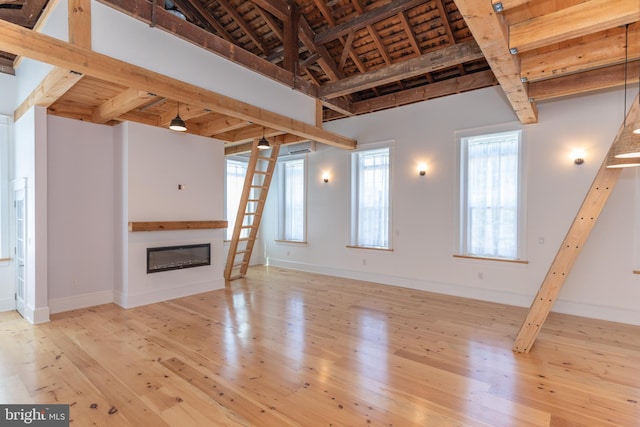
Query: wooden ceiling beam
(588, 81)
(52, 87)
(341, 105)
(222, 124)
(203, 15)
(325, 61)
(31, 10)
(278, 8)
(582, 19)
(40, 47)
(447, 87)
(122, 103)
(587, 53)
(368, 18)
(406, 26)
(247, 29)
(377, 41)
(286, 139)
(433, 61)
(490, 32)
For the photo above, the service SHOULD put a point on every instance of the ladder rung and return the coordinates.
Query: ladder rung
(236, 277)
(258, 186)
(254, 201)
(268, 159)
(247, 226)
(262, 172)
(238, 265)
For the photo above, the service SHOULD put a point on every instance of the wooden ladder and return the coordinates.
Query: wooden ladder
(254, 195)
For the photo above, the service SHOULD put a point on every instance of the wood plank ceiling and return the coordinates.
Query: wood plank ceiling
(359, 56)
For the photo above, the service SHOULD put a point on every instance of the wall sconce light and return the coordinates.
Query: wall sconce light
(578, 157)
(325, 177)
(422, 169)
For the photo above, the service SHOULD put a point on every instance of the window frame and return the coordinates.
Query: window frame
(282, 199)
(354, 195)
(231, 222)
(461, 249)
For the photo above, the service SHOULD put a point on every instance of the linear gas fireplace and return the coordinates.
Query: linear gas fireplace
(178, 257)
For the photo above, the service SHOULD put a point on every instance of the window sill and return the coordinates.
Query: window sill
(291, 242)
(515, 261)
(373, 248)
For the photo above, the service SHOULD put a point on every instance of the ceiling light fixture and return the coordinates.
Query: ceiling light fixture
(177, 123)
(263, 144)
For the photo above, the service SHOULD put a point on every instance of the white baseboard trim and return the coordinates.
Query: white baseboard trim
(613, 314)
(36, 315)
(60, 305)
(8, 304)
(130, 301)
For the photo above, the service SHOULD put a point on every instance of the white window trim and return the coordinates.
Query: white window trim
(238, 159)
(390, 144)
(281, 216)
(522, 190)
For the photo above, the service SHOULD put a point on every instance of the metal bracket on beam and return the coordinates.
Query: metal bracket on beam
(498, 7)
(513, 50)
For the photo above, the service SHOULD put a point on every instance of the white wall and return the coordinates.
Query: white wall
(81, 217)
(424, 208)
(157, 161)
(120, 36)
(8, 99)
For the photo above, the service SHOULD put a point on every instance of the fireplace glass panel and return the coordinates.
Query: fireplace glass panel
(178, 257)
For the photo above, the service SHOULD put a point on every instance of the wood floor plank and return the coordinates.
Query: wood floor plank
(285, 348)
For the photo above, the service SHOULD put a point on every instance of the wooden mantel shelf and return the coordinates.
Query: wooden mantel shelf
(176, 225)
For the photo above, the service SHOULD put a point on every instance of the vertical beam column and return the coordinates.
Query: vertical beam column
(290, 41)
(575, 239)
(80, 23)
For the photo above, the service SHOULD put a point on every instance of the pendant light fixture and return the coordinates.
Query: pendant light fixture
(627, 145)
(177, 123)
(614, 162)
(263, 144)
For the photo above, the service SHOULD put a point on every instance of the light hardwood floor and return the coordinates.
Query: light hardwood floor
(284, 348)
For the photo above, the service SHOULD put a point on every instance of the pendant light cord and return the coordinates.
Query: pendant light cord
(626, 59)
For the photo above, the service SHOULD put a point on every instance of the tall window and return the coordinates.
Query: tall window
(371, 199)
(490, 197)
(293, 200)
(236, 172)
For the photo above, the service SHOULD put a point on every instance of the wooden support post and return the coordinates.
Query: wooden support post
(80, 23)
(575, 239)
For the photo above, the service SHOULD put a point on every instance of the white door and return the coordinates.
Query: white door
(20, 249)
